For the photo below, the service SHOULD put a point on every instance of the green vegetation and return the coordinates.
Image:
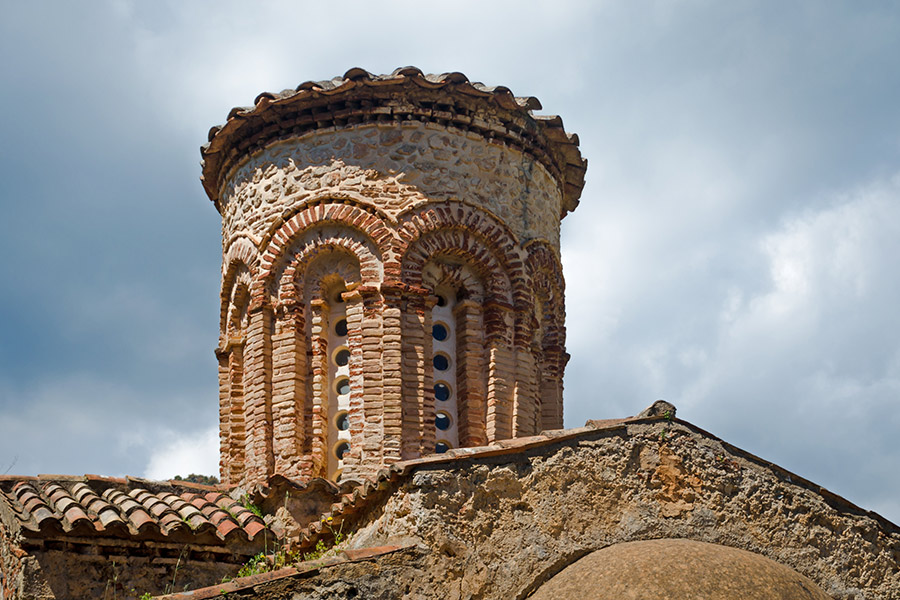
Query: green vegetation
(251, 507)
(254, 566)
(281, 557)
(196, 478)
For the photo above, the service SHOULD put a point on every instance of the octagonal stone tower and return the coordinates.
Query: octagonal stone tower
(391, 283)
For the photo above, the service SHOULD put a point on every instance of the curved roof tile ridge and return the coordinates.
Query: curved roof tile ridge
(217, 153)
(102, 506)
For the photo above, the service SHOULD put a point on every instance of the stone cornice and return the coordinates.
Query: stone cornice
(359, 97)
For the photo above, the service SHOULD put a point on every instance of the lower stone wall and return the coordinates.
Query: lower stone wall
(499, 526)
(13, 564)
(113, 569)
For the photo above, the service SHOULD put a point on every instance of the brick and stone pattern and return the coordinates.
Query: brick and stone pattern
(374, 192)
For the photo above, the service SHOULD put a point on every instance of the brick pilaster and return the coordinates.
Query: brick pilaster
(354, 316)
(392, 369)
(289, 392)
(417, 393)
(501, 376)
(222, 357)
(258, 398)
(525, 401)
(470, 373)
(372, 344)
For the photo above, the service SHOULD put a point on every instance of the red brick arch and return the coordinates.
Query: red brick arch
(277, 255)
(293, 280)
(238, 268)
(464, 230)
(485, 238)
(459, 244)
(454, 276)
(546, 274)
(331, 198)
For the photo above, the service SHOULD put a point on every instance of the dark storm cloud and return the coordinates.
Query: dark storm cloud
(107, 264)
(734, 250)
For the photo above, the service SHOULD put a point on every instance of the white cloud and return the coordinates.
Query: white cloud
(184, 453)
(782, 340)
(831, 269)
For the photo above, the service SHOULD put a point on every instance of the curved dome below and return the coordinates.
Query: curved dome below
(674, 569)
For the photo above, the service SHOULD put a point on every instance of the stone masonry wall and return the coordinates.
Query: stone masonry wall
(499, 526)
(116, 570)
(14, 563)
(106, 569)
(391, 168)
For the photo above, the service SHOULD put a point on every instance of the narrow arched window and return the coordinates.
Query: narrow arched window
(444, 361)
(339, 390)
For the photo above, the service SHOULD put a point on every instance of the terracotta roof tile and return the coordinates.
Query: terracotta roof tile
(122, 508)
(291, 110)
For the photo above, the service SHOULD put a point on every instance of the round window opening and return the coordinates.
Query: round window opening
(342, 421)
(442, 391)
(342, 357)
(441, 447)
(441, 362)
(442, 421)
(340, 328)
(339, 298)
(342, 386)
(441, 300)
(439, 332)
(341, 449)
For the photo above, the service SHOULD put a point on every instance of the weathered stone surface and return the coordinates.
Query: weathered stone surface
(385, 576)
(677, 569)
(404, 99)
(296, 172)
(501, 526)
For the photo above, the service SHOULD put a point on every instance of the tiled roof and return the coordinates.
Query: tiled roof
(91, 506)
(314, 104)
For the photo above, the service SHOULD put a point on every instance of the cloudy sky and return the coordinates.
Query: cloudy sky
(735, 251)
